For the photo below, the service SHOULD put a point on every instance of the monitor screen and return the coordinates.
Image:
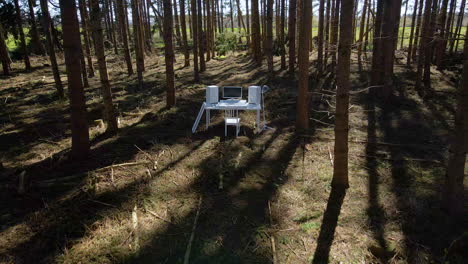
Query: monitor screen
(232, 92)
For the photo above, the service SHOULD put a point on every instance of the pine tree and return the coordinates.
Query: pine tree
(292, 35)
(340, 164)
(454, 186)
(46, 25)
(169, 53)
(4, 56)
(24, 48)
(71, 42)
(109, 111)
(302, 111)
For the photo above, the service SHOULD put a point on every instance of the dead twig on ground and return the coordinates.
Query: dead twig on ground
(159, 217)
(272, 238)
(192, 235)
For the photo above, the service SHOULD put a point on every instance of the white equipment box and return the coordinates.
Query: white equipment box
(255, 93)
(212, 94)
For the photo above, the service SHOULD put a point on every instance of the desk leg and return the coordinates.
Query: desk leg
(258, 121)
(207, 118)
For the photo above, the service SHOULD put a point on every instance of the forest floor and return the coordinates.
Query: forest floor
(138, 196)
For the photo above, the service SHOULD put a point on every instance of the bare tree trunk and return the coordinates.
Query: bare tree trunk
(461, 15)
(38, 47)
(404, 25)
(184, 34)
(231, 15)
(292, 35)
(177, 26)
(320, 37)
(123, 29)
(340, 164)
(377, 53)
(334, 34)
(302, 111)
(109, 111)
(256, 44)
(449, 22)
(454, 186)
(269, 37)
(138, 40)
(247, 21)
(195, 40)
(169, 53)
(412, 35)
(201, 38)
(282, 36)
(85, 30)
(423, 44)
(418, 34)
(327, 34)
(24, 48)
(50, 47)
(4, 56)
(71, 41)
(361, 34)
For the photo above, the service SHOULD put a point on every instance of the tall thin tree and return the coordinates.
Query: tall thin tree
(46, 25)
(340, 164)
(169, 53)
(24, 47)
(71, 44)
(109, 111)
(302, 111)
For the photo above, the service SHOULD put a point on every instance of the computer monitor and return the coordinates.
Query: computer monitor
(232, 92)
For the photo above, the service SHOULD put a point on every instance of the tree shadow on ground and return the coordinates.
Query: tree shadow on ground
(233, 219)
(414, 144)
(329, 223)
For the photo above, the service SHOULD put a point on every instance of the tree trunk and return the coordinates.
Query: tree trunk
(71, 42)
(184, 34)
(282, 37)
(456, 36)
(24, 48)
(109, 112)
(85, 30)
(377, 67)
(404, 25)
(247, 19)
(340, 164)
(320, 37)
(269, 37)
(138, 40)
(292, 35)
(327, 34)
(121, 10)
(201, 37)
(412, 35)
(334, 34)
(256, 44)
(50, 47)
(361, 34)
(169, 53)
(423, 44)
(417, 35)
(195, 40)
(38, 47)
(231, 15)
(302, 110)
(177, 26)
(4, 56)
(454, 186)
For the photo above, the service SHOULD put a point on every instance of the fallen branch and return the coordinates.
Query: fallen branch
(159, 217)
(122, 165)
(330, 154)
(192, 235)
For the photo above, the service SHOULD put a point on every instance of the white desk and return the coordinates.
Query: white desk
(226, 105)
